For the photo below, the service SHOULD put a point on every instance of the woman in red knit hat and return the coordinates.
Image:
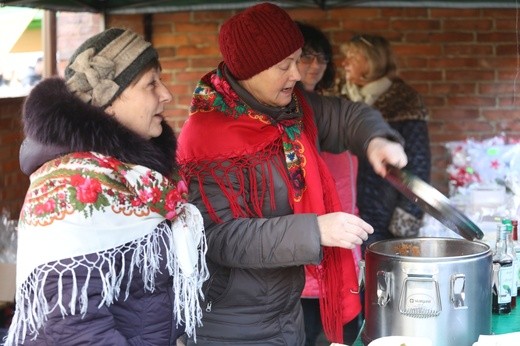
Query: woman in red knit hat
(250, 153)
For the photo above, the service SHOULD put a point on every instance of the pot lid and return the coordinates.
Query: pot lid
(433, 202)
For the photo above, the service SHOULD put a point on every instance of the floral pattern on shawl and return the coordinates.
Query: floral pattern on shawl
(93, 190)
(213, 92)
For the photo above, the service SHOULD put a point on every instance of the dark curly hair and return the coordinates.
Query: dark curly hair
(316, 41)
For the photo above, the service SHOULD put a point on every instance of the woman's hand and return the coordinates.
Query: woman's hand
(343, 230)
(382, 151)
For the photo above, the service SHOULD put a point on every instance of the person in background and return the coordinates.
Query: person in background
(318, 74)
(34, 75)
(109, 250)
(370, 72)
(249, 153)
(318, 69)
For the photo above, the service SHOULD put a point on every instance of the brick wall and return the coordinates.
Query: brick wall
(13, 184)
(72, 29)
(463, 61)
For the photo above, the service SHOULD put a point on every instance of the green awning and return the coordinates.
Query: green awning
(17, 20)
(155, 6)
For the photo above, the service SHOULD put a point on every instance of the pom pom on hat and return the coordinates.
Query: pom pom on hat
(105, 65)
(257, 38)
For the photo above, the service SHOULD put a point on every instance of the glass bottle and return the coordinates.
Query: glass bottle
(510, 249)
(503, 274)
(516, 245)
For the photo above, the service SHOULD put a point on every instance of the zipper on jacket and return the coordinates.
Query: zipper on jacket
(206, 291)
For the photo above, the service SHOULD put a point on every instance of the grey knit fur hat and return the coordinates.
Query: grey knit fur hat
(105, 65)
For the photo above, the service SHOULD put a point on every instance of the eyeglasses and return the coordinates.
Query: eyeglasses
(308, 58)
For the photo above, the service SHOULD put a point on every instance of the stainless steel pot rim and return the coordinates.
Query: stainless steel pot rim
(428, 248)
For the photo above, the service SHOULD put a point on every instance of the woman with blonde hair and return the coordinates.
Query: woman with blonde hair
(371, 77)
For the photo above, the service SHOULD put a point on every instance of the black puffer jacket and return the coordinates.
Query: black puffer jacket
(57, 123)
(144, 318)
(404, 110)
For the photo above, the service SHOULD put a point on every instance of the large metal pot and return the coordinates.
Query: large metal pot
(439, 288)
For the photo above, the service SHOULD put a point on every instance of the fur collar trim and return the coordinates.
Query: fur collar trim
(55, 121)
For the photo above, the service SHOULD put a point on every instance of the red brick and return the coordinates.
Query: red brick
(470, 24)
(471, 49)
(198, 16)
(417, 50)
(174, 64)
(450, 63)
(411, 12)
(507, 49)
(306, 14)
(455, 13)
(510, 101)
(496, 37)
(347, 14)
(194, 50)
(497, 89)
(470, 75)
(184, 28)
(453, 88)
(450, 114)
(501, 114)
(480, 101)
(415, 24)
(469, 127)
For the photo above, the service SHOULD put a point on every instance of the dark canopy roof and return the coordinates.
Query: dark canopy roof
(154, 6)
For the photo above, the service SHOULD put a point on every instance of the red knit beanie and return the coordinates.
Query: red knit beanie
(258, 38)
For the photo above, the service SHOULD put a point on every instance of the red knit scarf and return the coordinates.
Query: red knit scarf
(227, 141)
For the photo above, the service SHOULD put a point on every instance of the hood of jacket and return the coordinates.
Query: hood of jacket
(56, 122)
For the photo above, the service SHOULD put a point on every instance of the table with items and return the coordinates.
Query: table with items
(485, 186)
(503, 328)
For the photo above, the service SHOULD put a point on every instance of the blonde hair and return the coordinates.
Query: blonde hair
(378, 53)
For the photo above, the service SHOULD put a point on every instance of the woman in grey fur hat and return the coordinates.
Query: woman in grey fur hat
(110, 252)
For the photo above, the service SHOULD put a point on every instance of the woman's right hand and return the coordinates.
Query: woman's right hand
(343, 230)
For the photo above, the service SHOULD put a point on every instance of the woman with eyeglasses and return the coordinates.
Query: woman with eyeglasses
(371, 77)
(316, 66)
(317, 75)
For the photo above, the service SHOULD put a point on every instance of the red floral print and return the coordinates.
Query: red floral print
(87, 189)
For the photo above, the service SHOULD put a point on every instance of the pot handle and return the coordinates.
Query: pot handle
(383, 285)
(458, 284)
(361, 277)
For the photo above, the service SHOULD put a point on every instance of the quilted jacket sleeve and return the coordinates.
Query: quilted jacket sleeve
(346, 125)
(278, 239)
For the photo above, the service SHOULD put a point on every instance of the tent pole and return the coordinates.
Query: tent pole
(49, 44)
(148, 29)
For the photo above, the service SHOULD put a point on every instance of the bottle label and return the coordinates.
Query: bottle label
(514, 284)
(517, 250)
(505, 284)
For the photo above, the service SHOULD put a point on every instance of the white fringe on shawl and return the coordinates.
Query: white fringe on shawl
(185, 264)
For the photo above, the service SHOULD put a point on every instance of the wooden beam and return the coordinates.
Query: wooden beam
(49, 44)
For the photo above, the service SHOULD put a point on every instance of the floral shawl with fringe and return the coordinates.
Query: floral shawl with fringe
(96, 204)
